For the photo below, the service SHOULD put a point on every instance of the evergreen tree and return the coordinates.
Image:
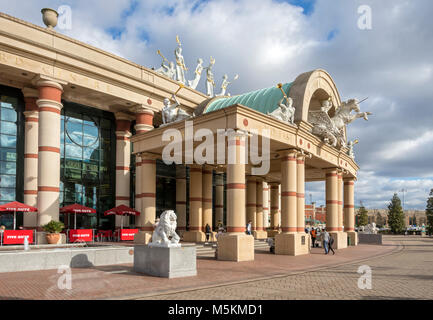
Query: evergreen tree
(429, 212)
(362, 216)
(379, 220)
(396, 215)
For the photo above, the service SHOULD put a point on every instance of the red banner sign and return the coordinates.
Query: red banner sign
(128, 234)
(17, 236)
(78, 235)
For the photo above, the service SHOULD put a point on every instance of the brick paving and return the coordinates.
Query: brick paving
(401, 268)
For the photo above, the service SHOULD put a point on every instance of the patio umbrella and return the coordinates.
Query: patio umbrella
(122, 210)
(15, 207)
(76, 208)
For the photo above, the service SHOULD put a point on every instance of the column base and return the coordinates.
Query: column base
(340, 239)
(272, 233)
(353, 238)
(260, 234)
(194, 236)
(143, 237)
(292, 244)
(235, 247)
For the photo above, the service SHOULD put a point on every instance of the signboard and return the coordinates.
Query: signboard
(17, 236)
(85, 235)
(128, 234)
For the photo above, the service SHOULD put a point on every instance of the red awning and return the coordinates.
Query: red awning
(17, 207)
(77, 208)
(122, 210)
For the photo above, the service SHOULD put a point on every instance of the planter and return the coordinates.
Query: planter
(49, 16)
(53, 238)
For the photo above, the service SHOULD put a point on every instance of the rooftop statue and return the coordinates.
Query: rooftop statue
(180, 63)
(331, 130)
(165, 234)
(170, 70)
(225, 84)
(173, 112)
(285, 111)
(198, 70)
(210, 83)
(350, 145)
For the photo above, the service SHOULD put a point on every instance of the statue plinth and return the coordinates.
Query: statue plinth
(166, 262)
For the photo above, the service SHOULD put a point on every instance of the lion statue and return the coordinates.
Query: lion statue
(165, 232)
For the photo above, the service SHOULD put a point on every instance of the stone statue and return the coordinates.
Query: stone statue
(210, 83)
(370, 228)
(331, 130)
(193, 83)
(169, 71)
(285, 112)
(165, 234)
(350, 145)
(224, 85)
(180, 63)
(173, 112)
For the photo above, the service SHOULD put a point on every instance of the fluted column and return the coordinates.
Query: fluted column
(181, 198)
(300, 193)
(123, 162)
(275, 205)
(288, 192)
(265, 205)
(49, 104)
(340, 200)
(251, 202)
(219, 198)
(349, 210)
(31, 114)
(195, 233)
(207, 197)
(235, 245)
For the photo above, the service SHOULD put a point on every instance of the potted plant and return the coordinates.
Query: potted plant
(53, 229)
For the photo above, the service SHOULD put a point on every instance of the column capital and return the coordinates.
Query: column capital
(30, 92)
(41, 80)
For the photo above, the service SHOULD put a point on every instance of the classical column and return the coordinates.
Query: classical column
(260, 232)
(207, 197)
(300, 193)
(275, 208)
(349, 210)
(31, 114)
(332, 207)
(265, 205)
(290, 242)
(340, 200)
(49, 104)
(251, 202)
(143, 119)
(181, 199)
(235, 245)
(219, 198)
(123, 161)
(195, 233)
(146, 219)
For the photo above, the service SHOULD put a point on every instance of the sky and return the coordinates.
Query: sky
(272, 41)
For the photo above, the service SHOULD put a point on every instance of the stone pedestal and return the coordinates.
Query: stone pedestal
(272, 233)
(142, 237)
(235, 247)
(194, 236)
(353, 237)
(340, 239)
(366, 238)
(260, 234)
(165, 262)
(292, 244)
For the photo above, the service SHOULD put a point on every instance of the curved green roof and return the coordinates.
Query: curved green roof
(263, 100)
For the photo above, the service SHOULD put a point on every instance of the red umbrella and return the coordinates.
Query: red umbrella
(122, 210)
(76, 208)
(15, 207)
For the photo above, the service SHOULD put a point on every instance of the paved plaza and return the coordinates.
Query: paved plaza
(401, 269)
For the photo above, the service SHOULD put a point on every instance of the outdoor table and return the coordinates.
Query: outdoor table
(80, 235)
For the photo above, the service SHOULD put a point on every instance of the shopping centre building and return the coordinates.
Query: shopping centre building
(81, 125)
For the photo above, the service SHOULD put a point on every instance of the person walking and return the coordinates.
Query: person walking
(249, 228)
(325, 240)
(313, 237)
(207, 231)
(330, 243)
